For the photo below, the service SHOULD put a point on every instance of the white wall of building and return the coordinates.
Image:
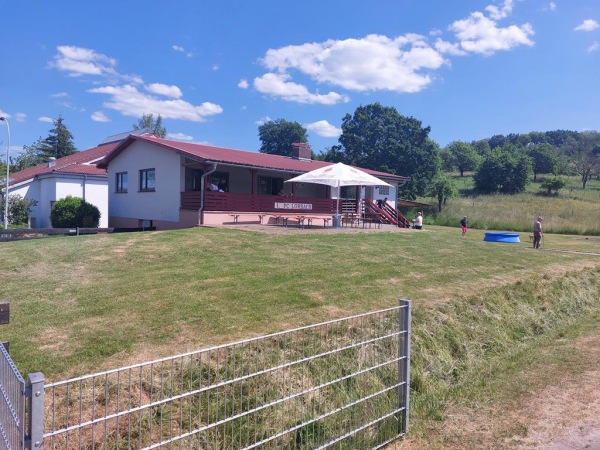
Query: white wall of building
(48, 188)
(163, 203)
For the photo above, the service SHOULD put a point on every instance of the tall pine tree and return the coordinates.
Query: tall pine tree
(59, 142)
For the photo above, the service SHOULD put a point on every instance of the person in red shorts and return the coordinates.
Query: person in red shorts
(463, 225)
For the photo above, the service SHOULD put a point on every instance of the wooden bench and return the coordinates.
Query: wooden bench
(301, 220)
(325, 220)
(371, 222)
(236, 217)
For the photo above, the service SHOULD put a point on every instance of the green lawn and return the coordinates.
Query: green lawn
(79, 304)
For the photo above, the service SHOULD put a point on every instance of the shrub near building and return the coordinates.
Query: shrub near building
(74, 212)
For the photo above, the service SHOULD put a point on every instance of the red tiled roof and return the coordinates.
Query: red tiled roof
(83, 162)
(230, 156)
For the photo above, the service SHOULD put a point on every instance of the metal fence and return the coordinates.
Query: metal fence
(12, 403)
(341, 383)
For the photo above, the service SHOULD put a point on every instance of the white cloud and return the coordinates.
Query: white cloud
(180, 137)
(180, 49)
(277, 85)
(77, 61)
(587, 25)
(83, 61)
(263, 120)
(20, 117)
(99, 116)
(594, 47)
(502, 12)
(324, 129)
(243, 84)
(479, 34)
(131, 102)
(164, 89)
(215, 67)
(374, 62)
(45, 119)
(552, 6)
(451, 48)
(59, 95)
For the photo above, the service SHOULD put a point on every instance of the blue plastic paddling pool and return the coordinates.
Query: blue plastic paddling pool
(501, 236)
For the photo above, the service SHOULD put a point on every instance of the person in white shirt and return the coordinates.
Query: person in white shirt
(418, 223)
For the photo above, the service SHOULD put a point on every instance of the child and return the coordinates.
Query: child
(463, 224)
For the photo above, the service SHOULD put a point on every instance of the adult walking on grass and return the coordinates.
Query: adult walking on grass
(538, 233)
(463, 225)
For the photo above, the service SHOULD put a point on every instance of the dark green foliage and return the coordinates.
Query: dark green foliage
(379, 138)
(553, 184)
(59, 142)
(462, 156)
(506, 170)
(277, 136)
(443, 188)
(544, 158)
(19, 209)
(74, 212)
(155, 126)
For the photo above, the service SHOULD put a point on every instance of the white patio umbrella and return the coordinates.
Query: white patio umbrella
(337, 175)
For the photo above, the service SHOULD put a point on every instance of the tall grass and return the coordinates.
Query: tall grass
(573, 211)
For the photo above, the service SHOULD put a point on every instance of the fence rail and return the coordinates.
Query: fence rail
(338, 383)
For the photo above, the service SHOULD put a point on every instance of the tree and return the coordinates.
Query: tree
(74, 212)
(553, 184)
(463, 156)
(443, 188)
(544, 158)
(59, 142)
(277, 136)
(585, 159)
(155, 126)
(19, 209)
(505, 170)
(379, 138)
(29, 157)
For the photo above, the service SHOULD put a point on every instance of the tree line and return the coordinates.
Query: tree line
(378, 137)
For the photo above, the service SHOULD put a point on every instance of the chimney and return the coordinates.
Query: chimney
(51, 161)
(302, 151)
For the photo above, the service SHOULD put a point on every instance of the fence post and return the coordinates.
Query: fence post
(404, 362)
(35, 391)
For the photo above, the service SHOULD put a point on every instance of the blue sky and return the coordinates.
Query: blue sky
(216, 70)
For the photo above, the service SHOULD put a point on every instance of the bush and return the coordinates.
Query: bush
(19, 209)
(74, 212)
(553, 184)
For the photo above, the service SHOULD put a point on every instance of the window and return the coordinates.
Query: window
(384, 190)
(121, 182)
(269, 185)
(348, 192)
(147, 180)
(193, 179)
(220, 180)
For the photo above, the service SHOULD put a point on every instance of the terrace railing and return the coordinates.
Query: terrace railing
(342, 383)
(227, 201)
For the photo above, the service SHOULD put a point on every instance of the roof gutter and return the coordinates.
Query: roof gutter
(203, 190)
(290, 171)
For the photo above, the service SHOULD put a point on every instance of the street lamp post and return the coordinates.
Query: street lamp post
(4, 119)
